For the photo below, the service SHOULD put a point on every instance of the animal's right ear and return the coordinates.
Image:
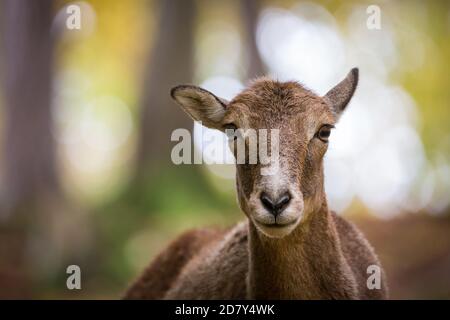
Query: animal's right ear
(340, 95)
(200, 104)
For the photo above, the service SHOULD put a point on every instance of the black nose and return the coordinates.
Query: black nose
(275, 207)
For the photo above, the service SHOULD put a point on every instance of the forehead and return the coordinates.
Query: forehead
(272, 102)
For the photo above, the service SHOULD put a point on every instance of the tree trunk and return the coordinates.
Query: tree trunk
(171, 63)
(28, 153)
(29, 174)
(249, 12)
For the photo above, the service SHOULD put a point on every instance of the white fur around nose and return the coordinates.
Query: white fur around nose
(274, 185)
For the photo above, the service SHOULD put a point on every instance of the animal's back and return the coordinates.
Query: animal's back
(217, 272)
(160, 276)
(359, 255)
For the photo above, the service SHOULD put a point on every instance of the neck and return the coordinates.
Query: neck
(306, 264)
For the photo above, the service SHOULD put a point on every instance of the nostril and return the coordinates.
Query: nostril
(267, 203)
(283, 202)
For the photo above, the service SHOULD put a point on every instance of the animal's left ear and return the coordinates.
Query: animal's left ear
(340, 95)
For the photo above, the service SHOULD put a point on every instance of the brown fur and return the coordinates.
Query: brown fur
(321, 257)
(162, 273)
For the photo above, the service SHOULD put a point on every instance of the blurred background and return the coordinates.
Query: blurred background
(85, 122)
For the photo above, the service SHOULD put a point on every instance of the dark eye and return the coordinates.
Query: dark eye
(230, 130)
(324, 132)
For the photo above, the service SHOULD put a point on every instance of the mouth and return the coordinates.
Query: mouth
(276, 229)
(277, 225)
